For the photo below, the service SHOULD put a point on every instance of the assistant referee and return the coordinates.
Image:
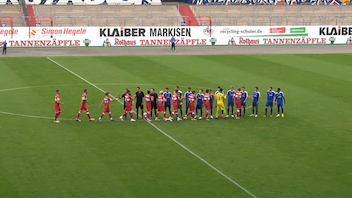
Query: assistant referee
(4, 44)
(173, 43)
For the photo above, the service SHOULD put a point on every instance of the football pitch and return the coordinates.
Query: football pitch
(306, 154)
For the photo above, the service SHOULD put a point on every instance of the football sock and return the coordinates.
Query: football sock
(244, 111)
(266, 111)
(131, 115)
(228, 111)
(176, 114)
(137, 113)
(193, 115)
(102, 115)
(271, 111)
(211, 111)
(256, 111)
(124, 114)
(201, 113)
(79, 113)
(252, 111)
(110, 114)
(56, 115)
(172, 114)
(282, 110)
(240, 112)
(232, 111)
(206, 114)
(278, 110)
(188, 114)
(164, 115)
(142, 113)
(181, 112)
(237, 112)
(88, 115)
(148, 115)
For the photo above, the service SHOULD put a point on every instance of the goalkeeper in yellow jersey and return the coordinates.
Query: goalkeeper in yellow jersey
(220, 97)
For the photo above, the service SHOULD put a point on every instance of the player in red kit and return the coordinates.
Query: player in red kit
(237, 97)
(206, 102)
(57, 106)
(175, 98)
(161, 108)
(148, 103)
(128, 106)
(191, 100)
(83, 106)
(106, 101)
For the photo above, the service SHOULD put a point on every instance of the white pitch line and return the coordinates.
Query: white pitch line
(163, 132)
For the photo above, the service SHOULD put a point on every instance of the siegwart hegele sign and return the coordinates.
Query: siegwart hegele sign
(185, 36)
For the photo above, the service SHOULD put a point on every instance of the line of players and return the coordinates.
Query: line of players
(162, 102)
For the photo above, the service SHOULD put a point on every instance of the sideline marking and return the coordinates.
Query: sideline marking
(167, 135)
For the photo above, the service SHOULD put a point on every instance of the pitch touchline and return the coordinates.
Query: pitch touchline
(163, 132)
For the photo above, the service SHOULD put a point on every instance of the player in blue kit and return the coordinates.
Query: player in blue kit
(256, 99)
(270, 94)
(167, 96)
(230, 102)
(243, 101)
(280, 99)
(211, 103)
(189, 92)
(200, 103)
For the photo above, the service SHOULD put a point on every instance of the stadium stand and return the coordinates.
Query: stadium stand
(13, 11)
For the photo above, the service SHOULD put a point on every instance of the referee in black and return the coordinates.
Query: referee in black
(124, 102)
(173, 43)
(140, 99)
(4, 46)
(154, 102)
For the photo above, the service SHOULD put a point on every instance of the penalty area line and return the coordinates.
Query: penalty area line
(163, 132)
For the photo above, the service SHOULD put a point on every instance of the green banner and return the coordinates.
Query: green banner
(298, 30)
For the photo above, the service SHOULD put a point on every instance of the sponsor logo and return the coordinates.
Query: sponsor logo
(123, 42)
(87, 42)
(106, 43)
(44, 43)
(213, 41)
(291, 41)
(122, 32)
(332, 40)
(349, 41)
(298, 30)
(8, 32)
(63, 31)
(248, 41)
(208, 31)
(278, 30)
(232, 42)
(169, 32)
(237, 32)
(335, 31)
(33, 32)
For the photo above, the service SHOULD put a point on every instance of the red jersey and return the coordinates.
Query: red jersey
(206, 98)
(84, 98)
(175, 98)
(238, 96)
(160, 99)
(148, 100)
(191, 99)
(57, 100)
(128, 99)
(106, 101)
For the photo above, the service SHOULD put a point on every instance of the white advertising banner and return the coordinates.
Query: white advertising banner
(186, 36)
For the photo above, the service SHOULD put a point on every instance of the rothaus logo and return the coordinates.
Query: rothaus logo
(270, 2)
(337, 31)
(122, 32)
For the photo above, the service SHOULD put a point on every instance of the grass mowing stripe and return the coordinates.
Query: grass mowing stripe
(167, 135)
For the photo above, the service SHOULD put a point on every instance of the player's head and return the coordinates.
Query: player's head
(207, 91)
(161, 92)
(166, 89)
(189, 89)
(193, 92)
(201, 91)
(152, 90)
(177, 88)
(243, 88)
(175, 91)
(58, 92)
(138, 88)
(107, 93)
(256, 88)
(270, 88)
(220, 90)
(85, 91)
(126, 90)
(231, 87)
(239, 89)
(278, 89)
(148, 92)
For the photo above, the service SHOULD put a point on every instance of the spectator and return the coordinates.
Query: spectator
(4, 45)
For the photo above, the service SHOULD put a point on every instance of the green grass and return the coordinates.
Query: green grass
(305, 154)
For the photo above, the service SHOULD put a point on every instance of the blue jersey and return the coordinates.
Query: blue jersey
(244, 96)
(279, 96)
(186, 96)
(167, 96)
(230, 94)
(270, 96)
(256, 95)
(199, 98)
(4, 44)
(211, 99)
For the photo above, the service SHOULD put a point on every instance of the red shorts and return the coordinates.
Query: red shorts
(83, 108)
(128, 108)
(175, 107)
(238, 104)
(149, 107)
(161, 108)
(207, 106)
(191, 107)
(107, 110)
(57, 109)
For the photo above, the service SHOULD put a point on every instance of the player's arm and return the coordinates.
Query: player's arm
(283, 97)
(258, 99)
(118, 96)
(245, 100)
(101, 104)
(112, 100)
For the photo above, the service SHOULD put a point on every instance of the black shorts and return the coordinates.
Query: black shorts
(139, 105)
(154, 106)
